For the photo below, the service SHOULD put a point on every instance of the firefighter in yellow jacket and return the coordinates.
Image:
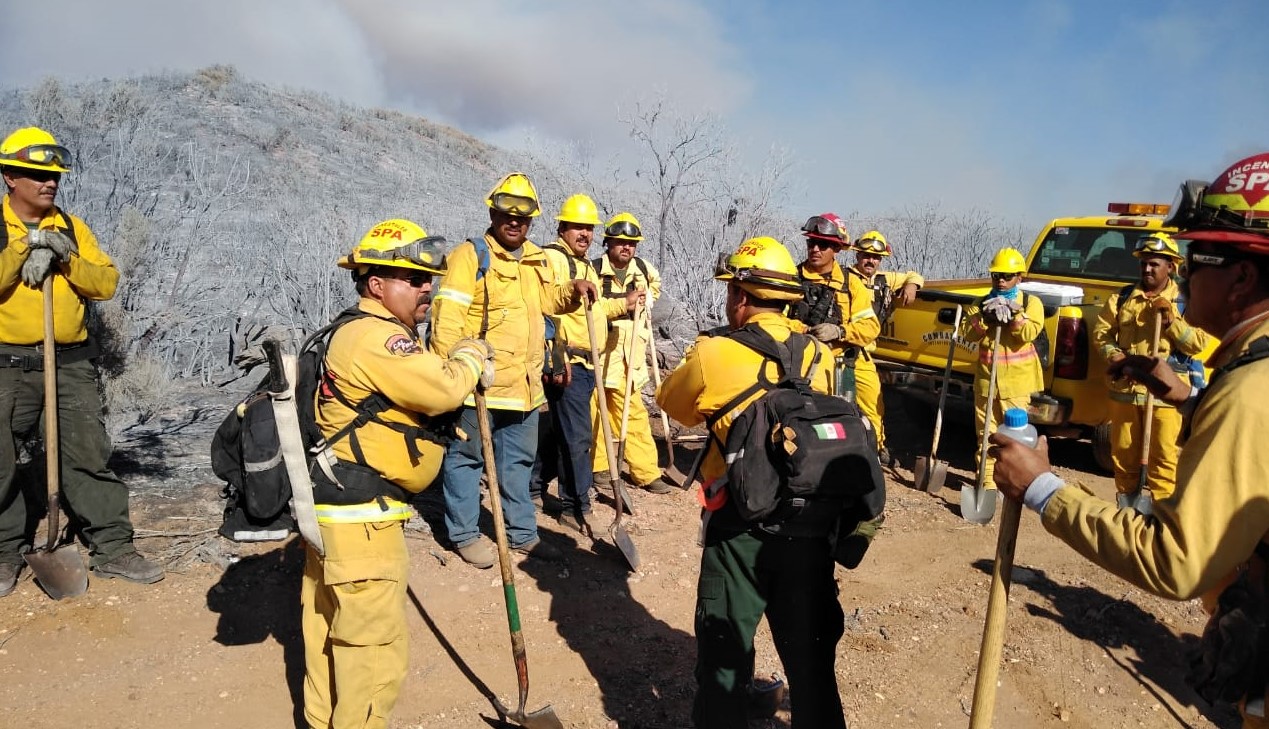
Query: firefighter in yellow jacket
(837, 309)
(39, 243)
(353, 597)
(570, 394)
(746, 571)
(886, 289)
(625, 275)
(1019, 318)
(1209, 538)
(1126, 326)
(498, 288)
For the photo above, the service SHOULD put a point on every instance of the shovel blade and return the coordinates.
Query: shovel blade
(978, 504)
(921, 473)
(60, 572)
(543, 718)
(937, 477)
(622, 539)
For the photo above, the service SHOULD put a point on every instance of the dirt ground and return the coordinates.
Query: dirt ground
(217, 643)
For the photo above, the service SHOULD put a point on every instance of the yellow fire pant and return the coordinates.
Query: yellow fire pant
(1126, 424)
(641, 452)
(998, 415)
(352, 605)
(868, 396)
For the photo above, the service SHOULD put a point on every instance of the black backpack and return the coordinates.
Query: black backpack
(796, 456)
(247, 453)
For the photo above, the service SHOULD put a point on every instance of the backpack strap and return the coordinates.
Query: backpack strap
(1124, 294)
(568, 256)
(482, 267)
(70, 229)
(788, 360)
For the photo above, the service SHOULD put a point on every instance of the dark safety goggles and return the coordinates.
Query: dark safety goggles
(514, 204)
(41, 154)
(425, 252)
(870, 245)
(623, 229)
(817, 225)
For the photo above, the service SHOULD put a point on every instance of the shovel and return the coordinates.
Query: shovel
(60, 570)
(672, 473)
(978, 503)
(628, 391)
(1141, 499)
(545, 717)
(930, 473)
(994, 626)
(617, 531)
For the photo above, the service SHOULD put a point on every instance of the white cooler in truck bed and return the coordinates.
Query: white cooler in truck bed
(1054, 294)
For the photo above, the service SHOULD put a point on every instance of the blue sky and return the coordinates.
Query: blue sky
(1030, 109)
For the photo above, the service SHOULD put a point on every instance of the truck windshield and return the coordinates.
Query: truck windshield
(1091, 252)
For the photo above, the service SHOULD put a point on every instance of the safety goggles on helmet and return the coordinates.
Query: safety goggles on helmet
(1152, 244)
(818, 225)
(41, 154)
(622, 229)
(1189, 212)
(510, 204)
(425, 253)
(870, 245)
(726, 271)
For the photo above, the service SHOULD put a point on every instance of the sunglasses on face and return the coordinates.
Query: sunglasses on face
(40, 176)
(819, 243)
(1196, 260)
(514, 204)
(623, 228)
(414, 280)
(1004, 276)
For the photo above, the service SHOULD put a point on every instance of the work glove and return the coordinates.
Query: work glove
(1015, 305)
(1165, 309)
(478, 351)
(826, 332)
(38, 265)
(53, 240)
(997, 312)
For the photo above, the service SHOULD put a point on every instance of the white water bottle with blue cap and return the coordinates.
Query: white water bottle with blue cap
(1017, 427)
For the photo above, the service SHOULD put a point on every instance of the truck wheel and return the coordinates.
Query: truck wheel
(1101, 448)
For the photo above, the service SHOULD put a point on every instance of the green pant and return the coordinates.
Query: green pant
(89, 489)
(791, 581)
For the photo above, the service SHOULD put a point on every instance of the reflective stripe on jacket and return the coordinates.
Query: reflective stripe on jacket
(1128, 330)
(621, 326)
(1019, 373)
(90, 276)
(378, 354)
(521, 289)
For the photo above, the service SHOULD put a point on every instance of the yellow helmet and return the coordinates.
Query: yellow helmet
(623, 226)
(1158, 244)
(400, 244)
(1008, 260)
(579, 209)
(515, 195)
(763, 267)
(36, 149)
(872, 242)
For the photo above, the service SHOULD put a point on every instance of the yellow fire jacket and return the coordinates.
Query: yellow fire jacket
(380, 354)
(854, 298)
(570, 329)
(622, 326)
(716, 369)
(90, 276)
(1019, 373)
(1128, 330)
(521, 289)
(1210, 525)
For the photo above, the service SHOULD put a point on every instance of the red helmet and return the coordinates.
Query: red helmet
(827, 227)
(1233, 210)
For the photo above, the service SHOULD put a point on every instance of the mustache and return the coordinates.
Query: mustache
(424, 299)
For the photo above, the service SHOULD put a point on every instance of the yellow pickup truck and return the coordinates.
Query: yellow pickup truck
(1074, 265)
